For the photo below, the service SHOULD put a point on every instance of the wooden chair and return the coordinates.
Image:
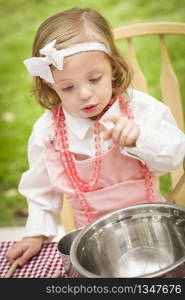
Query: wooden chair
(171, 95)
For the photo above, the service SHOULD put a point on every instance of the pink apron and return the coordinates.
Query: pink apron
(121, 183)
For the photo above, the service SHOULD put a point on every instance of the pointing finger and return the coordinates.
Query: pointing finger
(119, 127)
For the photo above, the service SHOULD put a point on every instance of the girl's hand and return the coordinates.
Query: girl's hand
(25, 249)
(124, 133)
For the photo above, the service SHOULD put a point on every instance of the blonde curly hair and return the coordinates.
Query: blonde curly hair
(73, 26)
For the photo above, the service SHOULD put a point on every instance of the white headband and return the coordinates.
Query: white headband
(39, 66)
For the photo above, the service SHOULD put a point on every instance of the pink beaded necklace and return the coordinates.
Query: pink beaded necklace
(80, 185)
(146, 173)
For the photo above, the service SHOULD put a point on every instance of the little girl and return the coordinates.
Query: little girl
(99, 141)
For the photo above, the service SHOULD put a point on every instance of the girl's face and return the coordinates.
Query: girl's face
(85, 84)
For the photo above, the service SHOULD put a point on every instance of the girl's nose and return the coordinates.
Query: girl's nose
(85, 93)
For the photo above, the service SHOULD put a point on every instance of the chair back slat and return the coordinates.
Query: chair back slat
(170, 86)
(67, 215)
(139, 81)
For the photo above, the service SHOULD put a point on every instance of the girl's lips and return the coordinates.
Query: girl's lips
(89, 108)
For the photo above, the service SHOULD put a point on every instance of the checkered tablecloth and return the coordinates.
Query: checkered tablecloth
(43, 265)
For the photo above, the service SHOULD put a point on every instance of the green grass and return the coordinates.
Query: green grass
(19, 20)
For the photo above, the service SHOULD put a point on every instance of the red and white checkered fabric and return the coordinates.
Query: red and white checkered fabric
(43, 265)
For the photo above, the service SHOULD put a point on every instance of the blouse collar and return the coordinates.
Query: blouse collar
(79, 126)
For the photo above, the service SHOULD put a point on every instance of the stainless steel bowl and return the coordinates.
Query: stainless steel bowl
(145, 240)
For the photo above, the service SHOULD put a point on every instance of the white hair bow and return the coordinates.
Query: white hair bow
(40, 66)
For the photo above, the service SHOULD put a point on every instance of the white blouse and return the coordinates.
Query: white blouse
(160, 144)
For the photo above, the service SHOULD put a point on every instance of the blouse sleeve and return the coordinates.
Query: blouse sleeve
(161, 143)
(43, 202)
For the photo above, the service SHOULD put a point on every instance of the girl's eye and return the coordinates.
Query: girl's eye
(68, 88)
(95, 79)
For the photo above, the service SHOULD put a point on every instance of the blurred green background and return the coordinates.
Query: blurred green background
(19, 20)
